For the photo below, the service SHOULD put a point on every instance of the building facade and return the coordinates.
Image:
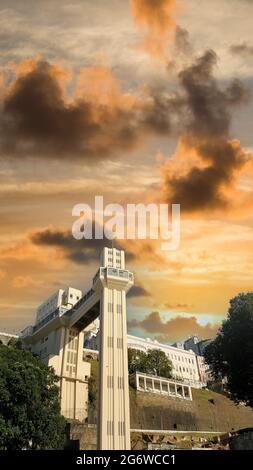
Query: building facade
(61, 348)
(196, 345)
(186, 365)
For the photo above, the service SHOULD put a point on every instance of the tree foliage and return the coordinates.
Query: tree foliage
(153, 362)
(29, 403)
(15, 342)
(230, 355)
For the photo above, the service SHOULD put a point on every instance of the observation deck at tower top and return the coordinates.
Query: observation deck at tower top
(86, 310)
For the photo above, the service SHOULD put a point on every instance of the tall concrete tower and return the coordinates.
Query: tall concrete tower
(114, 419)
(57, 337)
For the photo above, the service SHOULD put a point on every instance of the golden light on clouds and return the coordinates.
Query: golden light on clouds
(155, 20)
(174, 129)
(20, 282)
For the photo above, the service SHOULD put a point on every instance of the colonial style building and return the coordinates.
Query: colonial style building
(186, 365)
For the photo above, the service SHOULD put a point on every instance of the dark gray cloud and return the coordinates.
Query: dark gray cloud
(138, 291)
(80, 251)
(36, 120)
(77, 251)
(177, 306)
(243, 49)
(182, 41)
(205, 127)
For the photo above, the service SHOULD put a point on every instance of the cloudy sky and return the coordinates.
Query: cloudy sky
(138, 101)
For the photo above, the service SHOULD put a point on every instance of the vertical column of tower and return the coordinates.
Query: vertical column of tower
(105, 440)
(114, 421)
(125, 386)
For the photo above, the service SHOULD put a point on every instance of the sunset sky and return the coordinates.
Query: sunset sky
(138, 101)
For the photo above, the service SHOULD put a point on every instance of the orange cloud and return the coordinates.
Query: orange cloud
(21, 250)
(97, 84)
(155, 18)
(20, 282)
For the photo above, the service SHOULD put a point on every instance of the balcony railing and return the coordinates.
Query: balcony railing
(112, 272)
(56, 313)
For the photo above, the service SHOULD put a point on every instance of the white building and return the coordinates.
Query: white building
(61, 347)
(187, 366)
(184, 363)
(62, 298)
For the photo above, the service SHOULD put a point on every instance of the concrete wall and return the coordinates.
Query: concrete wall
(209, 411)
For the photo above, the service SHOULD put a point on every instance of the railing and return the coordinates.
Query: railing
(112, 272)
(119, 273)
(151, 376)
(100, 272)
(161, 385)
(56, 313)
(27, 331)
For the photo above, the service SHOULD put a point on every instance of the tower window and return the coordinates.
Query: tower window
(119, 343)
(109, 381)
(121, 427)
(119, 308)
(110, 428)
(120, 382)
(110, 307)
(110, 341)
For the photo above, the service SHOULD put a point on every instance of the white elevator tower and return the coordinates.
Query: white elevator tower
(57, 337)
(114, 419)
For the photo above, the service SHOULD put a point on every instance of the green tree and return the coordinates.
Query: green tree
(137, 361)
(15, 342)
(230, 355)
(29, 403)
(154, 362)
(158, 363)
